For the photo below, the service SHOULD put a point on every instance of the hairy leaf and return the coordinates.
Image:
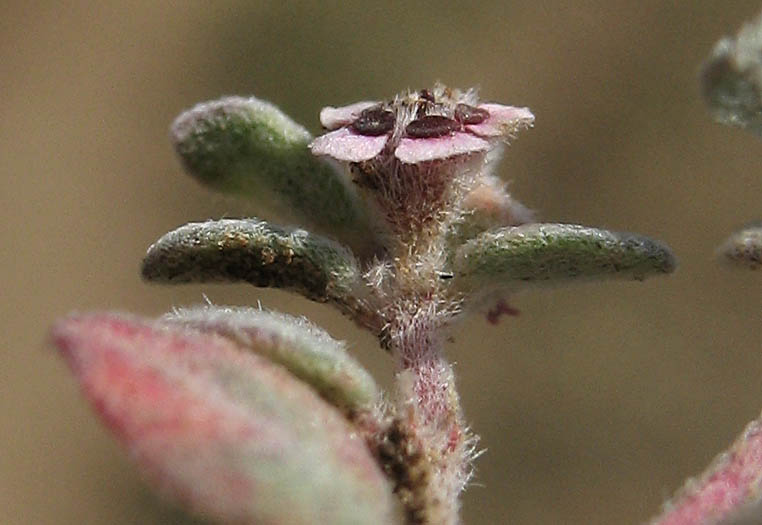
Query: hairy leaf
(534, 253)
(249, 147)
(223, 431)
(256, 252)
(727, 493)
(304, 349)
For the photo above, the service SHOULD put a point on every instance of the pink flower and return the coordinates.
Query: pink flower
(418, 126)
(419, 154)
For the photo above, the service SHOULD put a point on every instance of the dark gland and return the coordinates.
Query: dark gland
(373, 122)
(466, 114)
(431, 126)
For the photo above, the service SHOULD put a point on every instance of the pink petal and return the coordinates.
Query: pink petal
(503, 121)
(411, 151)
(347, 146)
(225, 432)
(332, 118)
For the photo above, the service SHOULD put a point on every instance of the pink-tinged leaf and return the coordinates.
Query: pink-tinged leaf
(413, 151)
(224, 432)
(332, 118)
(731, 485)
(503, 121)
(304, 349)
(346, 146)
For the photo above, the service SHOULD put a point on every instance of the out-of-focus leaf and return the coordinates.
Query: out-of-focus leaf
(487, 206)
(306, 350)
(249, 147)
(744, 248)
(540, 253)
(256, 252)
(732, 78)
(727, 492)
(225, 432)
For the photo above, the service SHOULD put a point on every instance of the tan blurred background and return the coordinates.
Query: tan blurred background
(593, 405)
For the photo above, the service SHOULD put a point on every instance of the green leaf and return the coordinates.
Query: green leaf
(253, 251)
(536, 252)
(249, 147)
(305, 350)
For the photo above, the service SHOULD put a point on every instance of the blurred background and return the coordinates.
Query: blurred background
(594, 404)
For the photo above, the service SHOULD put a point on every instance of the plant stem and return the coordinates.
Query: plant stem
(429, 407)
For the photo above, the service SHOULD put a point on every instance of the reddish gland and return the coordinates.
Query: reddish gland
(374, 122)
(466, 114)
(431, 126)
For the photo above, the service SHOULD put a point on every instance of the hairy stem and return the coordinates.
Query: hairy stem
(429, 407)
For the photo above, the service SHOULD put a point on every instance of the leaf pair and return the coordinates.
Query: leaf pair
(253, 251)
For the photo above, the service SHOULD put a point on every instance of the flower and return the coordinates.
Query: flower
(417, 156)
(417, 126)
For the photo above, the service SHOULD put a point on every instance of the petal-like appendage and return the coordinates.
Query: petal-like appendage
(412, 151)
(503, 121)
(225, 432)
(347, 146)
(333, 118)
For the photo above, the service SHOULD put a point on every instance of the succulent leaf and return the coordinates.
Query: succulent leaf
(305, 350)
(537, 252)
(225, 432)
(249, 147)
(256, 252)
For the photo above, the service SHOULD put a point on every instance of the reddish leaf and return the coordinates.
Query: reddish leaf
(726, 491)
(227, 433)
(305, 350)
